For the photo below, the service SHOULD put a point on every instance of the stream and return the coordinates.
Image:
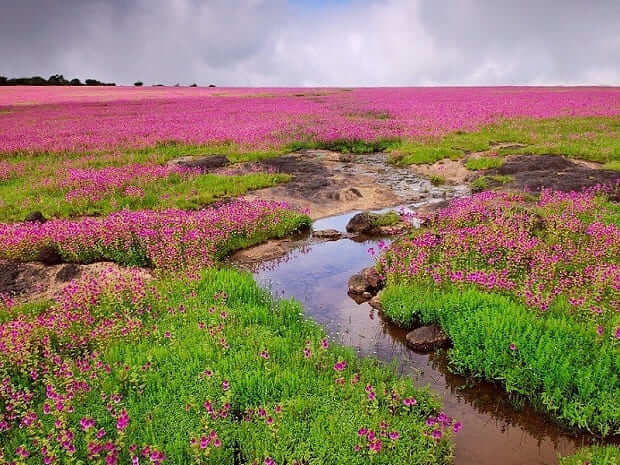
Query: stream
(494, 430)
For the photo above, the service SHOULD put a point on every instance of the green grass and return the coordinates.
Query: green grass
(592, 138)
(597, 455)
(485, 182)
(389, 218)
(483, 163)
(319, 419)
(437, 180)
(23, 195)
(344, 145)
(612, 165)
(558, 363)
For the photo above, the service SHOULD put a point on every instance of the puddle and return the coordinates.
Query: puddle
(494, 432)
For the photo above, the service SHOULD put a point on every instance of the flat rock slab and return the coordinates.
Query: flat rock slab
(328, 234)
(535, 172)
(427, 338)
(203, 162)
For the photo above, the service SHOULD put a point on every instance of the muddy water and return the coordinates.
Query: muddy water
(494, 431)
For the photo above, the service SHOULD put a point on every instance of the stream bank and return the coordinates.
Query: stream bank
(316, 271)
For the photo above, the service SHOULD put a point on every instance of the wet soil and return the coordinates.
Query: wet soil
(35, 280)
(534, 172)
(326, 183)
(498, 428)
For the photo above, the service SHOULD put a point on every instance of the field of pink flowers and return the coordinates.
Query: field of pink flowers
(528, 291)
(168, 239)
(70, 119)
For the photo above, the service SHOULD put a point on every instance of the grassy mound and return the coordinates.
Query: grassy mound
(207, 371)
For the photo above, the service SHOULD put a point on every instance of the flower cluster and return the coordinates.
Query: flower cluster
(10, 170)
(269, 117)
(169, 239)
(561, 251)
(87, 184)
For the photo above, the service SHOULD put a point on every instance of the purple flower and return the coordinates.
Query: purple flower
(340, 366)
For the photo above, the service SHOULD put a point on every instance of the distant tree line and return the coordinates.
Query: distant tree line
(59, 80)
(54, 80)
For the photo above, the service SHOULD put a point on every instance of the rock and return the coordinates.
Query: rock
(368, 281)
(427, 338)
(35, 217)
(49, 255)
(357, 284)
(362, 223)
(68, 272)
(375, 303)
(374, 280)
(328, 234)
(395, 229)
(345, 158)
(205, 163)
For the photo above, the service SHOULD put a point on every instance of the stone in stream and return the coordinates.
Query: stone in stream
(328, 234)
(427, 338)
(375, 303)
(204, 162)
(362, 223)
(366, 283)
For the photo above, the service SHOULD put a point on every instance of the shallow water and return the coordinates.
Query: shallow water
(494, 432)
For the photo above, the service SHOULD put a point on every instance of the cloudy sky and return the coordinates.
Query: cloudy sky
(314, 42)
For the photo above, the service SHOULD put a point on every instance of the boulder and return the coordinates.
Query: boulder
(375, 303)
(427, 338)
(205, 163)
(362, 223)
(328, 234)
(357, 284)
(373, 279)
(35, 217)
(365, 283)
(49, 255)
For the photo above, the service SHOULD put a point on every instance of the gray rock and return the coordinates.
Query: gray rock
(357, 284)
(366, 281)
(35, 217)
(362, 223)
(329, 234)
(427, 338)
(205, 163)
(49, 255)
(375, 303)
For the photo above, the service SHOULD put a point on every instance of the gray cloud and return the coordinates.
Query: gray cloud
(275, 42)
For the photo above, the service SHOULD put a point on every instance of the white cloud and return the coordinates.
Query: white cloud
(272, 42)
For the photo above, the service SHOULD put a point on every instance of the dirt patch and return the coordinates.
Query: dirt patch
(321, 188)
(452, 171)
(534, 172)
(327, 183)
(36, 280)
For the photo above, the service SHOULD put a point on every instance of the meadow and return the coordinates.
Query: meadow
(197, 364)
(528, 292)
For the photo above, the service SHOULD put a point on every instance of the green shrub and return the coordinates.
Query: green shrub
(597, 455)
(483, 163)
(557, 363)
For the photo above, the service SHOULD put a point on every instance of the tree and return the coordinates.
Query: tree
(138, 83)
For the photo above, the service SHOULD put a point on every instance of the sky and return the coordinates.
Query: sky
(314, 42)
